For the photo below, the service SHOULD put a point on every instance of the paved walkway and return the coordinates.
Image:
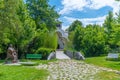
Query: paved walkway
(61, 55)
(71, 70)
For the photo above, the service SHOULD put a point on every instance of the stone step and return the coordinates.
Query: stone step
(61, 55)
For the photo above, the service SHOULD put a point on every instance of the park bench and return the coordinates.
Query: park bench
(34, 56)
(113, 56)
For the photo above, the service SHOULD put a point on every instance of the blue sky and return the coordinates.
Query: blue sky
(87, 11)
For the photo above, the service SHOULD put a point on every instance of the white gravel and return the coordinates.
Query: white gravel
(70, 70)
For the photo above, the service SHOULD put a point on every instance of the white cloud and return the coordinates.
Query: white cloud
(79, 5)
(97, 4)
(86, 21)
(72, 5)
(64, 27)
(98, 20)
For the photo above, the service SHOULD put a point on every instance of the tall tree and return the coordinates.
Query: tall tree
(115, 37)
(118, 17)
(73, 31)
(9, 21)
(42, 13)
(28, 27)
(94, 41)
(16, 25)
(74, 25)
(78, 37)
(108, 22)
(108, 28)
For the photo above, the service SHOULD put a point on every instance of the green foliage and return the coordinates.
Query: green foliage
(43, 38)
(44, 51)
(18, 29)
(89, 40)
(118, 17)
(28, 26)
(69, 46)
(94, 41)
(51, 40)
(114, 39)
(31, 25)
(108, 22)
(45, 20)
(37, 41)
(10, 24)
(113, 36)
(73, 35)
(77, 39)
(42, 13)
(74, 25)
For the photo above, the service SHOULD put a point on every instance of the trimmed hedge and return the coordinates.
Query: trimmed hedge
(44, 51)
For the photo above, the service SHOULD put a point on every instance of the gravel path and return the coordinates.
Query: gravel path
(70, 70)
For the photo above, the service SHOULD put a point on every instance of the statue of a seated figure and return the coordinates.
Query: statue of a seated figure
(11, 54)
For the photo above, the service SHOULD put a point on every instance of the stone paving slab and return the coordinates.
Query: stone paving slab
(61, 55)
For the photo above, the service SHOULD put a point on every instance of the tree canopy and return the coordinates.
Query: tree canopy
(31, 26)
(95, 40)
(27, 25)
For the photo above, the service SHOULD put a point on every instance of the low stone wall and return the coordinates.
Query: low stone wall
(79, 56)
(51, 56)
(74, 55)
(69, 54)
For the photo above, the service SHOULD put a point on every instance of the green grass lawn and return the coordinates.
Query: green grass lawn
(30, 73)
(101, 61)
(107, 76)
(38, 61)
(22, 73)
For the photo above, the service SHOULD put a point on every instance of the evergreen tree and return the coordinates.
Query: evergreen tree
(108, 22)
(118, 17)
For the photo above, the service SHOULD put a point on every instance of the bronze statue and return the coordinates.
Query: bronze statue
(11, 54)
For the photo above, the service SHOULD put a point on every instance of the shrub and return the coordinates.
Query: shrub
(44, 51)
(50, 40)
